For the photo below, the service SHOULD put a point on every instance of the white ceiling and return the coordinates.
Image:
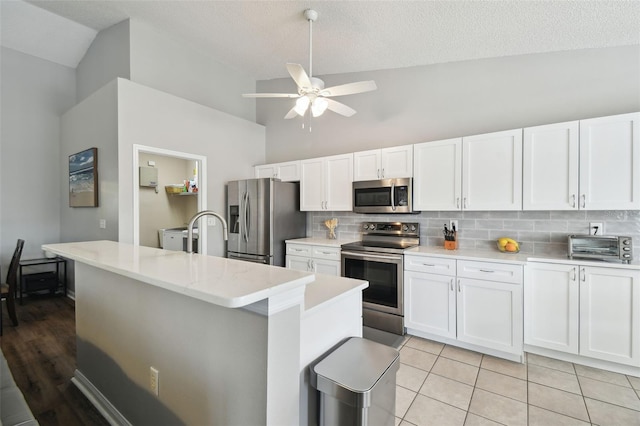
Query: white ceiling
(259, 37)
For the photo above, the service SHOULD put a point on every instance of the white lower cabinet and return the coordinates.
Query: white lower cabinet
(477, 303)
(585, 310)
(313, 258)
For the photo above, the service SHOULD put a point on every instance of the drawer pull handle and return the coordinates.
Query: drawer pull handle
(326, 252)
(487, 270)
(451, 284)
(428, 264)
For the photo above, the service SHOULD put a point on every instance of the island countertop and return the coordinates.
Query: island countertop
(224, 282)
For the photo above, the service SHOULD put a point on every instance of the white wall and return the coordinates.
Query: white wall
(35, 93)
(106, 59)
(91, 123)
(153, 118)
(442, 101)
(173, 66)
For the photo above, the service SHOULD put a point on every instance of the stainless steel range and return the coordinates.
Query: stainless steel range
(378, 258)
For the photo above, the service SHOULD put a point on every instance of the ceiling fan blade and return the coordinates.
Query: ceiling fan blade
(350, 88)
(291, 114)
(270, 95)
(340, 108)
(299, 75)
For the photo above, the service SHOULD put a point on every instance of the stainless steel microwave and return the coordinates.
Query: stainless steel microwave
(383, 196)
(603, 247)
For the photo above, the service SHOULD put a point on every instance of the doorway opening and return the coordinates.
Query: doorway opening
(160, 214)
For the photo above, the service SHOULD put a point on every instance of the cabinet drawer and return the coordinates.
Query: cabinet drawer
(433, 265)
(299, 250)
(502, 272)
(329, 253)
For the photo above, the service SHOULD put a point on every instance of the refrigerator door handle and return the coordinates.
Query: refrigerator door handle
(244, 216)
(247, 219)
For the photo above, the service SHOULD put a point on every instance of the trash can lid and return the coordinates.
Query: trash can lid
(357, 364)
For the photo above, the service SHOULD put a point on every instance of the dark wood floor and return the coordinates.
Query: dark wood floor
(41, 353)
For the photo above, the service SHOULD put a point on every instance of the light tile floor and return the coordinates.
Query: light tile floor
(443, 385)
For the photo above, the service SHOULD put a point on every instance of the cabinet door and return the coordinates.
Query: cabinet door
(550, 167)
(289, 171)
(266, 171)
(312, 195)
(610, 314)
(430, 303)
(492, 171)
(489, 314)
(298, 263)
(551, 306)
(397, 162)
(610, 163)
(437, 175)
(366, 165)
(339, 183)
(328, 267)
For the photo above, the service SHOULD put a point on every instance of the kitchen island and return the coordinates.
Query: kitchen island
(226, 337)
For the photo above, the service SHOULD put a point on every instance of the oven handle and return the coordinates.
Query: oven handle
(387, 257)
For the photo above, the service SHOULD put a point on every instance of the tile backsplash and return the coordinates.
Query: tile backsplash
(539, 232)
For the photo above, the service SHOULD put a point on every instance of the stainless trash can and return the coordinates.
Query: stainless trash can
(357, 384)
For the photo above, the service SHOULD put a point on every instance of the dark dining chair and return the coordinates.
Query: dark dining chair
(8, 289)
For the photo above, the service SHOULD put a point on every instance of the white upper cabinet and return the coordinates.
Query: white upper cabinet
(326, 183)
(588, 165)
(286, 172)
(437, 175)
(386, 163)
(610, 163)
(492, 171)
(550, 167)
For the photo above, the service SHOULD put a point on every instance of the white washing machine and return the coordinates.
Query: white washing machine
(176, 239)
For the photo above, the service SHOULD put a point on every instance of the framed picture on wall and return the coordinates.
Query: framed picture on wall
(83, 178)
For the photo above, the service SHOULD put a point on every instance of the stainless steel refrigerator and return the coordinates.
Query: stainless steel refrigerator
(262, 214)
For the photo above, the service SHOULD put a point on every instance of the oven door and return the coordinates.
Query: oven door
(384, 273)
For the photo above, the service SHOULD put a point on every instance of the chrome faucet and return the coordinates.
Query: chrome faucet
(193, 221)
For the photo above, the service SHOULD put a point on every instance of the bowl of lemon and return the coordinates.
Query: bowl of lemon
(507, 245)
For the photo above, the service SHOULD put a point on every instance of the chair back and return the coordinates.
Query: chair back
(12, 275)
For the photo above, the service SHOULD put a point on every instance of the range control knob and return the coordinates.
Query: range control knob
(365, 226)
(626, 255)
(405, 228)
(626, 242)
(413, 228)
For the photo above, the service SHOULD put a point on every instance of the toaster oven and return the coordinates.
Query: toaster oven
(601, 247)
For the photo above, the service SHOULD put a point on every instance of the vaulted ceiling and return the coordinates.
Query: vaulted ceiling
(259, 37)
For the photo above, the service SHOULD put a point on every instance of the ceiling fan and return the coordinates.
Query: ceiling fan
(311, 90)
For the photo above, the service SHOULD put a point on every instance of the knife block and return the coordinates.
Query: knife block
(452, 245)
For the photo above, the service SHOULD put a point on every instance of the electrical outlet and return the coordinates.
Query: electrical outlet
(453, 223)
(211, 221)
(596, 228)
(103, 223)
(154, 380)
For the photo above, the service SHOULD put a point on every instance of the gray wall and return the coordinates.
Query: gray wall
(442, 101)
(107, 58)
(136, 51)
(153, 118)
(35, 93)
(173, 66)
(91, 123)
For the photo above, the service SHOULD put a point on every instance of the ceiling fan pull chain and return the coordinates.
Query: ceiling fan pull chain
(310, 46)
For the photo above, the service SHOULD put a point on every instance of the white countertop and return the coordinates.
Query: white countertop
(327, 288)
(320, 241)
(515, 258)
(224, 282)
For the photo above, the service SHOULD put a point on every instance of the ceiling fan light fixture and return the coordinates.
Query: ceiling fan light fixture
(302, 103)
(319, 106)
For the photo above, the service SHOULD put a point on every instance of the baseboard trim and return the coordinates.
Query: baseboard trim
(102, 404)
